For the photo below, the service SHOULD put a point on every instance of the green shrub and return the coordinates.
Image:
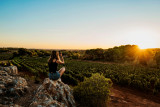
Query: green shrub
(93, 91)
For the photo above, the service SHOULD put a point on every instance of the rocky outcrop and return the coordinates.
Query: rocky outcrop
(50, 93)
(11, 87)
(53, 94)
(12, 70)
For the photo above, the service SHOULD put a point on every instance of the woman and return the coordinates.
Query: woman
(53, 62)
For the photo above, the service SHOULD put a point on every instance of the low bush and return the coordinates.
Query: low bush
(93, 91)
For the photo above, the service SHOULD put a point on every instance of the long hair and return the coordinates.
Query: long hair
(54, 55)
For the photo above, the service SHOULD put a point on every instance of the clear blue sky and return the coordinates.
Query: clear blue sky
(79, 24)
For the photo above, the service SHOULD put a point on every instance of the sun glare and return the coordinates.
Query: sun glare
(145, 46)
(143, 38)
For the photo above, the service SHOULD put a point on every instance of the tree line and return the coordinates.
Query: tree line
(125, 53)
(121, 54)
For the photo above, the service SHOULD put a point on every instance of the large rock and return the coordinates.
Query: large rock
(11, 88)
(12, 70)
(53, 94)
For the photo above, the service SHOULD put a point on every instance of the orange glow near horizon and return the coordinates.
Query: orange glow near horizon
(142, 45)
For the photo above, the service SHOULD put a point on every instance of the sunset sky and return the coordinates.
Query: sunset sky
(79, 24)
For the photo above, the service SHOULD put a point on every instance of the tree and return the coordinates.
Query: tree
(94, 54)
(22, 51)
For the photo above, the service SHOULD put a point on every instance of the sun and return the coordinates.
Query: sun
(144, 38)
(146, 41)
(145, 45)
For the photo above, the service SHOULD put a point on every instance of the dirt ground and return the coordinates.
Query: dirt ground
(125, 97)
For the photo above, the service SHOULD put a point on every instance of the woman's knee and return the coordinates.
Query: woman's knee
(63, 68)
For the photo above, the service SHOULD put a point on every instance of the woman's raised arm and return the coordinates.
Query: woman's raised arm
(61, 61)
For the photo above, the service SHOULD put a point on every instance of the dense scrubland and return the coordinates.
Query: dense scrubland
(125, 65)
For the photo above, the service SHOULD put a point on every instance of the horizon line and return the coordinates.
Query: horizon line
(72, 49)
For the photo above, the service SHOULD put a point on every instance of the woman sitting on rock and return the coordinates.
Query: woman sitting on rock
(53, 62)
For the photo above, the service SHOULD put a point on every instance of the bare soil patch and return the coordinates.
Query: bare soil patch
(126, 97)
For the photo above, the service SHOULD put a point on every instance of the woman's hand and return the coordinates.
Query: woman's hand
(60, 54)
(61, 61)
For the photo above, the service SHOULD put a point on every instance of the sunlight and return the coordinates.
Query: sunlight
(144, 38)
(147, 43)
